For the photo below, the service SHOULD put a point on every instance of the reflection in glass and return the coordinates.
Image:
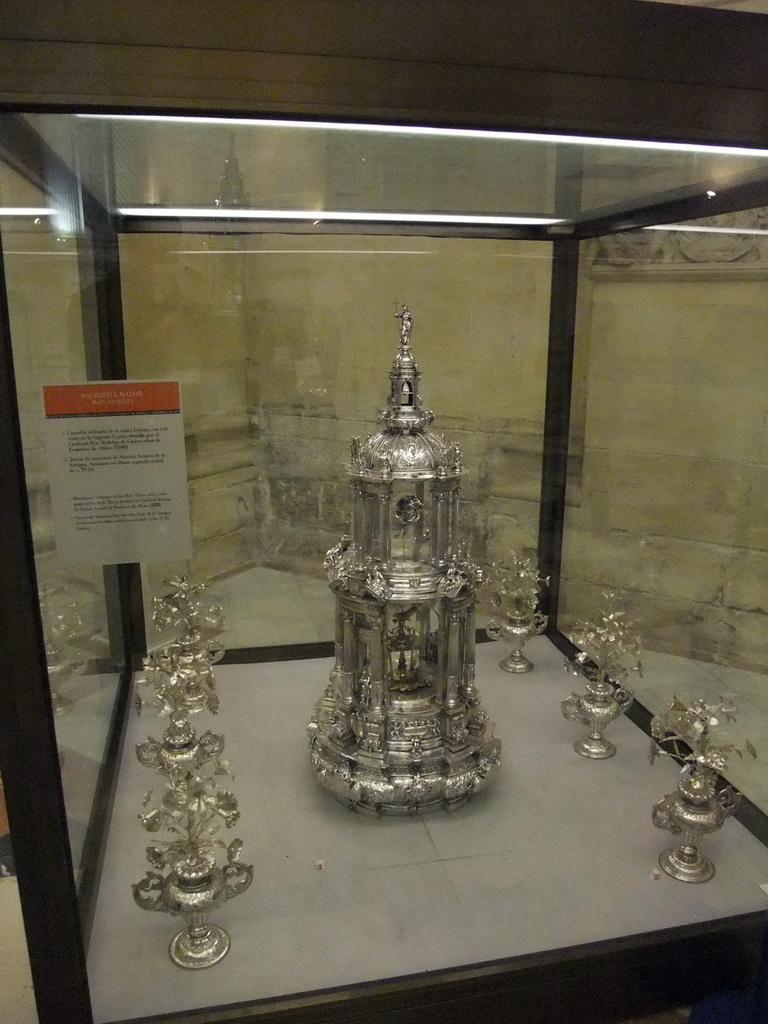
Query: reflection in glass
(666, 502)
(46, 319)
(305, 166)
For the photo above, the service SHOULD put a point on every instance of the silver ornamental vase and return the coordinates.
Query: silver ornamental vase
(694, 810)
(603, 648)
(516, 631)
(194, 887)
(602, 702)
(180, 748)
(688, 734)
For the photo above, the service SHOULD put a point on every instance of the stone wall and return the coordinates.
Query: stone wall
(183, 321)
(670, 506)
(282, 344)
(322, 335)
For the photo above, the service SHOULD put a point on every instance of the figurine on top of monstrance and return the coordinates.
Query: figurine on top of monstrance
(400, 728)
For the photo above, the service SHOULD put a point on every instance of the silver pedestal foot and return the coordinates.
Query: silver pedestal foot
(516, 661)
(686, 864)
(199, 946)
(595, 747)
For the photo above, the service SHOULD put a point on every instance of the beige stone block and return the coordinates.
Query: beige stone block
(511, 533)
(310, 458)
(225, 504)
(753, 523)
(662, 566)
(295, 548)
(693, 499)
(177, 343)
(334, 506)
(514, 465)
(191, 274)
(210, 461)
(519, 476)
(223, 554)
(746, 582)
(295, 499)
(211, 395)
(474, 483)
(519, 508)
(679, 332)
(748, 641)
(727, 636)
(175, 322)
(219, 450)
(215, 481)
(307, 446)
(703, 420)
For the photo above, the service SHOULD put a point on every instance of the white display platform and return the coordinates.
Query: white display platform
(558, 852)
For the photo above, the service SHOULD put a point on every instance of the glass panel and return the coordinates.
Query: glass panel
(667, 495)
(46, 314)
(175, 162)
(283, 345)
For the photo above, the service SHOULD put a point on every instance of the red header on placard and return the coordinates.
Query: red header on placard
(111, 398)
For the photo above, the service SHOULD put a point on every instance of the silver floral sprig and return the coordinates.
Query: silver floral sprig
(185, 609)
(189, 814)
(163, 856)
(686, 729)
(63, 628)
(179, 679)
(516, 589)
(607, 642)
(191, 810)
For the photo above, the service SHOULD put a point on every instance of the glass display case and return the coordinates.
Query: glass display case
(589, 317)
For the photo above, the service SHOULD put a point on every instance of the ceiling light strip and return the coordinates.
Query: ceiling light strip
(304, 252)
(317, 216)
(419, 130)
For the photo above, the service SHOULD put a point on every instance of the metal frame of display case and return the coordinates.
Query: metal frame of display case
(562, 984)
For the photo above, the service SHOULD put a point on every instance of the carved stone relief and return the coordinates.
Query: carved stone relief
(654, 252)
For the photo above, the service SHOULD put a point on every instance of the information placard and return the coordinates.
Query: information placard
(117, 471)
